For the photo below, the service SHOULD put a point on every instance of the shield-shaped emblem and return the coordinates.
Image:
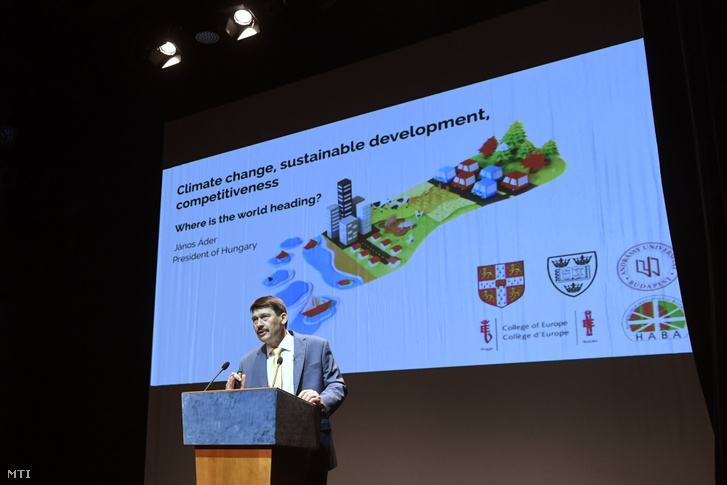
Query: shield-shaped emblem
(572, 274)
(501, 284)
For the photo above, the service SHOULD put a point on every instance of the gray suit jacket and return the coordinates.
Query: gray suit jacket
(313, 368)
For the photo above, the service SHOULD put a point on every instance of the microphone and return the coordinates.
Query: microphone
(224, 366)
(277, 369)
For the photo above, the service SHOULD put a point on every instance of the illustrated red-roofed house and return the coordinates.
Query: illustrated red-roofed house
(376, 236)
(356, 247)
(396, 249)
(386, 243)
(515, 181)
(464, 180)
(470, 166)
(374, 261)
(394, 261)
(364, 254)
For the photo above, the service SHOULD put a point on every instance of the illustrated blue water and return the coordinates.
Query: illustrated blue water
(291, 243)
(321, 258)
(278, 278)
(295, 294)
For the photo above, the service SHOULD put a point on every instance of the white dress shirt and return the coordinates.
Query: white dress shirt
(287, 354)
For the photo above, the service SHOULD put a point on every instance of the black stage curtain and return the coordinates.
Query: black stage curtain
(686, 50)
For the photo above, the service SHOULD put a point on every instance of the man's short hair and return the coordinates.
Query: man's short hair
(269, 302)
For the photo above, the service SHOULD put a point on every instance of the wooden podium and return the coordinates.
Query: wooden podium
(249, 436)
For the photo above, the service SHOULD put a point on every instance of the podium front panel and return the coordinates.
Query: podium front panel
(249, 417)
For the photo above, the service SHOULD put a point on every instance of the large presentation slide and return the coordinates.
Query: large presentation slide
(516, 220)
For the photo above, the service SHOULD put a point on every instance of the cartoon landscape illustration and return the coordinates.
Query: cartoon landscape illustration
(365, 241)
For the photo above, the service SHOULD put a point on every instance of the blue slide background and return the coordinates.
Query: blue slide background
(428, 313)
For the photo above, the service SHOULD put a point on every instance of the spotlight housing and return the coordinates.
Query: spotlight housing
(242, 24)
(166, 55)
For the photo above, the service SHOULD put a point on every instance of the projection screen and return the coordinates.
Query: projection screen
(519, 219)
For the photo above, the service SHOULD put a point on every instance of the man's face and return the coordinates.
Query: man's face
(269, 327)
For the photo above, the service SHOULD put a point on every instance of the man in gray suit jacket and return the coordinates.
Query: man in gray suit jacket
(300, 364)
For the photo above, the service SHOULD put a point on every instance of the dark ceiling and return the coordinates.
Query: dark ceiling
(95, 51)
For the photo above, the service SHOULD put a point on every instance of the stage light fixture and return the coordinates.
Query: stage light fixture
(242, 24)
(166, 55)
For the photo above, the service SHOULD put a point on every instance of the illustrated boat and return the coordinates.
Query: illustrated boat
(345, 282)
(316, 306)
(311, 244)
(281, 258)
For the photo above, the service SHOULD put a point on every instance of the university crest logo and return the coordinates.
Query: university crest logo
(501, 284)
(572, 274)
(647, 266)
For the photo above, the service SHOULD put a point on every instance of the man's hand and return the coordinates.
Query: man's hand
(233, 380)
(312, 397)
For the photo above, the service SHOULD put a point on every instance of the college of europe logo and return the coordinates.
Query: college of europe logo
(572, 274)
(501, 284)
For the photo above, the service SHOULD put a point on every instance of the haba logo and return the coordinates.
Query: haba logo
(572, 274)
(501, 284)
(647, 267)
(655, 318)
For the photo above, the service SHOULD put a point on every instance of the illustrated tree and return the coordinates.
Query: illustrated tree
(515, 136)
(503, 157)
(550, 150)
(489, 147)
(525, 149)
(534, 161)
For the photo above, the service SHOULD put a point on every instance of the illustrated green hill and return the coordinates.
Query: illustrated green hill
(406, 221)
